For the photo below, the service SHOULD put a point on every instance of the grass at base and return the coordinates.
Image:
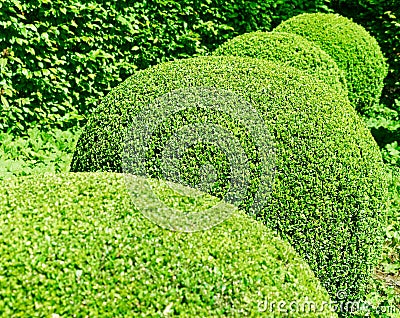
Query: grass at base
(37, 152)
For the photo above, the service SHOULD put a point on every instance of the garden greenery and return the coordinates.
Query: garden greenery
(78, 246)
(55, 71)
(288, 49)
(355, 51)
(38, 152)
(58, 58)
(329, 193)
(382, 20)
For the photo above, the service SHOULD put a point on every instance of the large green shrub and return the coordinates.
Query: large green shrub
(329, 190)
(355, 51)
(288, 49)
(57, 58)
(382, 20)
(76, 246)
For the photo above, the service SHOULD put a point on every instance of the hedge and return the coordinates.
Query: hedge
(381, 20)
(58, 58)
(288, 49)
(355, 51)
(326, 190)
(76, 246)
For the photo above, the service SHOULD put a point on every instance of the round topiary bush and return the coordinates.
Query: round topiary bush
(76, 246)
(355, 51)
(288, 49)
(291, 148)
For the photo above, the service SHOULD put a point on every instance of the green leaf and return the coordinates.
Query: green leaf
(17, 59)
(4, 101)
(31, 50)
(45, 72)
(3, 62)
(21, 41)
(24, 32)
(32, 27)
(45, 36)
(17, 4)
(25, 71)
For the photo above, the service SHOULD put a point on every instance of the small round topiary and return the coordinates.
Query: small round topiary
(288, 49)
(277, 142)
(76, 246)
(355, 51)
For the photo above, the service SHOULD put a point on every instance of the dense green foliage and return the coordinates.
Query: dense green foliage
(354, 50)
(77, 246)
(57, 58)
(53, 71)
(381, 18)
(383, 291)
(329, 194)
(38, 152)
(288, 49)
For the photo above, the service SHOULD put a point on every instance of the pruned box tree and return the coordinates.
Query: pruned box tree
(355, 51)
(289, 50)
(261, 129)
(77, 245)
